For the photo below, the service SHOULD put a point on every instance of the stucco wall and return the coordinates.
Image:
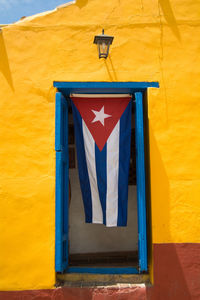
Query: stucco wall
(155, 40)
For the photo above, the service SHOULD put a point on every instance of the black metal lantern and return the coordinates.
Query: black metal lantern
(103, 42)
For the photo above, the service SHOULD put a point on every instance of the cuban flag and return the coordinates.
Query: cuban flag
(103, 139)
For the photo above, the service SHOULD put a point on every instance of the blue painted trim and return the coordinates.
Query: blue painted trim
(128, 270)
(102, 85)
(58, 126)
(140, 175)
(62, 166)
(58, 250)
(105, 87)
(61, 107)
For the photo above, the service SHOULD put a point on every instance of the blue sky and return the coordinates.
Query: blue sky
(13, 10)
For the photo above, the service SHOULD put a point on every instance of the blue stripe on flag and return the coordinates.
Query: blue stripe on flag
(124, 162)
(101, 177)
(82, 165)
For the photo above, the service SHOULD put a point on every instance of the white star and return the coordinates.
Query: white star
(100, 116)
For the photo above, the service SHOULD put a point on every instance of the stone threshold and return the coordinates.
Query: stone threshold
(103, 280)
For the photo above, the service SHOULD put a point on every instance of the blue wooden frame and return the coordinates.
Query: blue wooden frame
(103, 87)
(103, 270)
(136, 88)
(62, 175)
(141, 186)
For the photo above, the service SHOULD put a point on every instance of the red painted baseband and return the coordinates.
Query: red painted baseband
(176, 276)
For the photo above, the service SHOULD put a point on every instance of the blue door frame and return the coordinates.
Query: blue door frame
(61, 147)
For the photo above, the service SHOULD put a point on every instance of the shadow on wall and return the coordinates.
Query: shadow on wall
(4, 63)
(81, 3)
(171, 267)
(110, 69)
(169, 17)
(160, 192)
(176, 272)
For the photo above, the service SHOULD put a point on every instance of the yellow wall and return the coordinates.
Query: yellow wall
(155, 40)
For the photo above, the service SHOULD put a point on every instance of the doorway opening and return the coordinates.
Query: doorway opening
(95, 244)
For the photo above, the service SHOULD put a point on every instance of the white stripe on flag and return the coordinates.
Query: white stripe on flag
(100, 95)
(89, 144)
(112, 177)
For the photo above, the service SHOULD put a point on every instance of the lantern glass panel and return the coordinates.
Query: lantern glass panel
(103, 49)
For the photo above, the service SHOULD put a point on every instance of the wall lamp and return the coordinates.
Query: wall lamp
(103, 42)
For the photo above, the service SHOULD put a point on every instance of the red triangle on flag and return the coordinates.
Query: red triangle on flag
(101, 115)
